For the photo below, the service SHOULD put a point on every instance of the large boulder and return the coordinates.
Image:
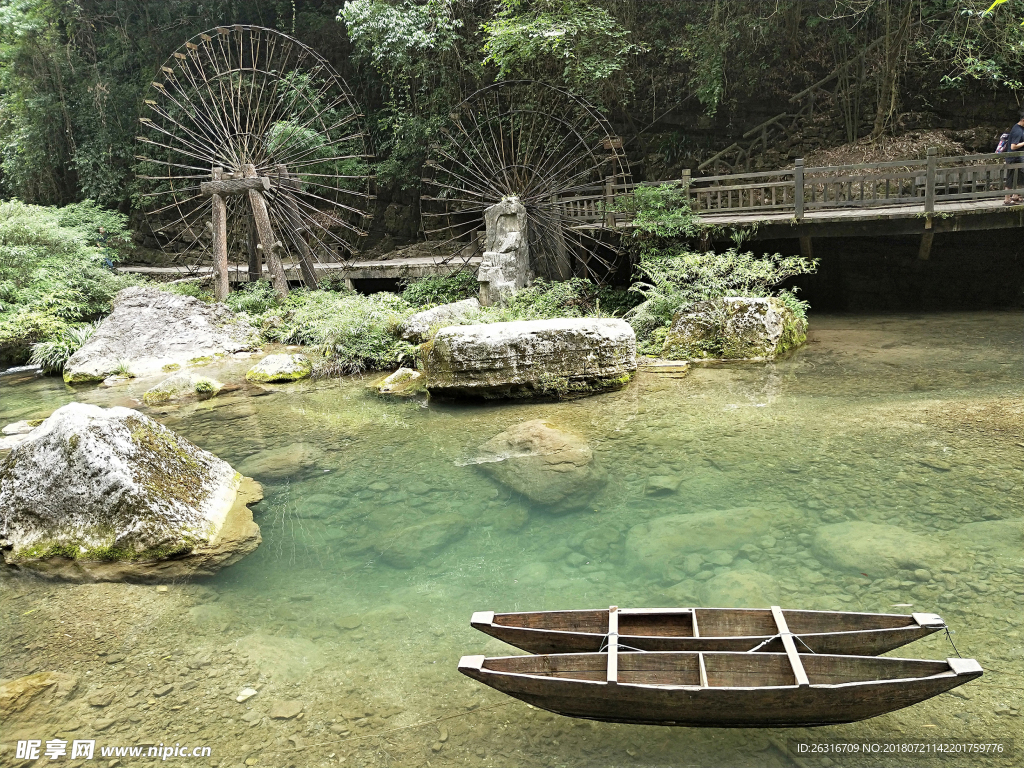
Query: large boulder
(544, 463)
(418, 327)
(527, 358)
(108, 494)
(661, 545)
(734, 328)
(182, 386)
(280, 368)
(875, 549)
(151, 331)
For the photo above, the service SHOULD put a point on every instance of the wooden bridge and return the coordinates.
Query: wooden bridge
(937, 194)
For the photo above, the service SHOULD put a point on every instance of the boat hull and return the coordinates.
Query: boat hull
(720, 707)
(869, 641)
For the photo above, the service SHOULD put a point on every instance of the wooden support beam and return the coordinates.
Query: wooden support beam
(286, 185)
(221, 286)
(787, 642)
(924, 252)
(807, 247)
(613, 645)
(268, 243)
(255, 265)
(227, 187)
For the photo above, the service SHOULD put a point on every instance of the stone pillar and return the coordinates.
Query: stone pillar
(505, 267)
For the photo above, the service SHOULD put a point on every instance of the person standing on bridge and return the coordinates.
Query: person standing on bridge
(1014, 175)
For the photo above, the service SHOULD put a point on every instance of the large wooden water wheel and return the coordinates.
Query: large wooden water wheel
(544, 145)
(252, 159)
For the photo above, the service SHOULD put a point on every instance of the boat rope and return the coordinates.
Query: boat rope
(761, 645)
(805, 645)
(949, 636)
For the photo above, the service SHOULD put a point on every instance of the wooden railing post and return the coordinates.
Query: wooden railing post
(609, 202)
(929, 181)
(685, 180)
(798, 188)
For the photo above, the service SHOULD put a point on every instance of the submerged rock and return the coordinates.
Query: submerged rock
(108, 494)
(661, 545)
(531, 358)
(182, 386)
(734, 328)
(34, 696)
(418, 327)
(544, 463)
(416, 544)
(280, 368)
(740, 589)
(876, 550)
(405, 382)
(281, 463)
(151, 331)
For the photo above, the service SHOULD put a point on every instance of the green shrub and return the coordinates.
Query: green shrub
(431, 291)
(351, 332)
(55, 271)
(55, 351)
(677, 281)
(197, 289)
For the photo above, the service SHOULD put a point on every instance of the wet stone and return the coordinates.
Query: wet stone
(285, 710)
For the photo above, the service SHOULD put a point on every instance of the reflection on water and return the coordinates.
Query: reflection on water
(879, 466)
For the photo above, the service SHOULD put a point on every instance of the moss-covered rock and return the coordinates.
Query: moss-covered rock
(182, 386)
(565, 357)
(111, 495)
(280, 368)
(734, 328)
(405, 382)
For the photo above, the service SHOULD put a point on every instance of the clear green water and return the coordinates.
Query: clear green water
(909, 421)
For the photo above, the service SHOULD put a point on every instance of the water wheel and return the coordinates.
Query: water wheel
(252, 158)
(544, 145)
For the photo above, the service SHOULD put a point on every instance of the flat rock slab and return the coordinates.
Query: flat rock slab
(278, 369)
(108, 494)
(567, 357)
(150, 331)
(405, 382)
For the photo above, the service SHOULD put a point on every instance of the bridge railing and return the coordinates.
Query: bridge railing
(864, 185)
(799, 190)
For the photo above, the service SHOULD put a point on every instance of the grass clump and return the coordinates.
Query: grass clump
(56, 273)
(431, 291)
(51, 354)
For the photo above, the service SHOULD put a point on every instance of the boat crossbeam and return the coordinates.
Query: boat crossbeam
(787, 641)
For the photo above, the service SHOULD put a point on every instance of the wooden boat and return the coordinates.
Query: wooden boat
(719, 688)
(707, 629)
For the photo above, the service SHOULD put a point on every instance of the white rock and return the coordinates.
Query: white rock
(245, 694)
(280, 368)
(18, 428)
(562, 357)
(417, 328)
(405, 382)
(109, 494)
(153, 331)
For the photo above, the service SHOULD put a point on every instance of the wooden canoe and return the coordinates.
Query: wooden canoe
(707, 629)
(719, 689)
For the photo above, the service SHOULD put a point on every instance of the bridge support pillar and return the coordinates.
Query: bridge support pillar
(924, 252)
(807, 247)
